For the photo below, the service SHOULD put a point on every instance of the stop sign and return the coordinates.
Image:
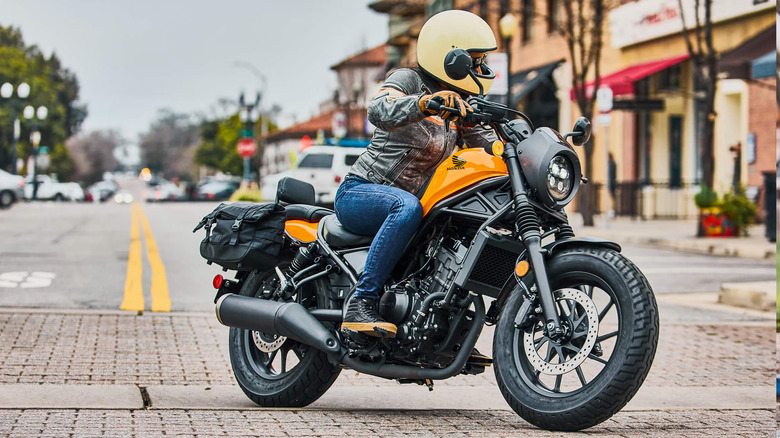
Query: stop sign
(246, 147)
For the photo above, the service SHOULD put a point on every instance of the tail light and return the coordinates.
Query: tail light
(217, 282)
(21, 183)
(337, 179)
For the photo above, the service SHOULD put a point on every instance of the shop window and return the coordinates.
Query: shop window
(669, 79)
(528, 20)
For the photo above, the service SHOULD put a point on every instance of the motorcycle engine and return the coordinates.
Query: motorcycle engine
(402, 302)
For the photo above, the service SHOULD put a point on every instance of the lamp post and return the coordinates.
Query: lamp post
(30, 114)
(16, 102)
(507, 27)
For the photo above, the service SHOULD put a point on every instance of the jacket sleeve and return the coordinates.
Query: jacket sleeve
(477, 136)
(394, 106)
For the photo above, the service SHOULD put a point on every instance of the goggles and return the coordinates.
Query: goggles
(477, 62)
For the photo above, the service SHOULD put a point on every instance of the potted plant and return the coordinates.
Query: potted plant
(729, 216)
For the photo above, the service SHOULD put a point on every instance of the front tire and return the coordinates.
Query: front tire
(287, 373)
(577, 383)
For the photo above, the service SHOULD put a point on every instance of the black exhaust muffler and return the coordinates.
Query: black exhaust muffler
(285, 319)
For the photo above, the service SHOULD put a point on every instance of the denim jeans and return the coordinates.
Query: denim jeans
(392, 214)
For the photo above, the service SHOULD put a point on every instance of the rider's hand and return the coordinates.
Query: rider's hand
(449, 99)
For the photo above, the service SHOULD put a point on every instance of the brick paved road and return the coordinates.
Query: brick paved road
(156, 349)
(384, 424)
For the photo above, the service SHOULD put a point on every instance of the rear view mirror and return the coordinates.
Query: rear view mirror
(581, 132)
(457, 64)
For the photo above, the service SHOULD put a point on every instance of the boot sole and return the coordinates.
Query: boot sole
(367, 328)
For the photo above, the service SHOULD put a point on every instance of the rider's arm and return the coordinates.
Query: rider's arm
(394, 106)
(477, 136)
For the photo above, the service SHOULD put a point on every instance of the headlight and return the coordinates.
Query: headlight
(559, 178)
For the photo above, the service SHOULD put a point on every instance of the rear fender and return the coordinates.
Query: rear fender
(511, 286)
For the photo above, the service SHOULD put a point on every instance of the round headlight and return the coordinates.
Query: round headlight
(559, 181)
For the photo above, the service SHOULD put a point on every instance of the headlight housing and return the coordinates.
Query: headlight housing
(551, 167)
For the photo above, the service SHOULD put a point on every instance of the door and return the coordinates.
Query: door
(675, 151)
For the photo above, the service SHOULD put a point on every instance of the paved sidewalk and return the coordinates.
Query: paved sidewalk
(677, 235)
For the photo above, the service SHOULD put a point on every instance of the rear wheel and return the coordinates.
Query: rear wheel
(276, 371)
(6, 199)
(610, 315)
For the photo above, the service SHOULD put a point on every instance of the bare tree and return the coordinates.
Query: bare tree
(93, 154)
(169, 145)
(582, 28)
(705, 71)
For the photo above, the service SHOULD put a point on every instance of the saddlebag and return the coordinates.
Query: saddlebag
(243, 236)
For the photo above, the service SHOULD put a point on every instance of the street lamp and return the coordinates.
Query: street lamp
(22, 92)
(30, 114)
(507, 27)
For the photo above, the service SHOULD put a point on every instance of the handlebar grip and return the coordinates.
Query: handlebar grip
(433, 105)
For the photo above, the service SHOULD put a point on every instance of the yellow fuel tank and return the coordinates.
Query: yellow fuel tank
(463, 169)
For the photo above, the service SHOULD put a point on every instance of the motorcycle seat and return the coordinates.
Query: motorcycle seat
(338, 237)
(310, 213)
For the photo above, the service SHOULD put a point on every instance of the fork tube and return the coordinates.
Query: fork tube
(527, 224)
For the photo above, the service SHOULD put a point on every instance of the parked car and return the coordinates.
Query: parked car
(101, 191)
(215, 190)
(324, 167)
(165, 191)
(51, 189)
(11, 189)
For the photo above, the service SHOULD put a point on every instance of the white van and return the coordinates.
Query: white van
(324, 167)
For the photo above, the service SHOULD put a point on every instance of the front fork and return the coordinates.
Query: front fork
(527, 224)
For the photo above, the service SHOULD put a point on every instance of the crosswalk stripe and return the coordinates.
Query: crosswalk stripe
(134, 295)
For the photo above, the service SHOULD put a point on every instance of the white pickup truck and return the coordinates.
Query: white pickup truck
(49, 188)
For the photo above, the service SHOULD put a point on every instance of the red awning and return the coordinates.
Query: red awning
(622, 81)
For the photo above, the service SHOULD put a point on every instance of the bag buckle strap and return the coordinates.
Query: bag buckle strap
(236, 224)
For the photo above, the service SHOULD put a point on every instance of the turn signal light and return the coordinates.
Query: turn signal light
(217, 282)
(498, 148)
(522, 268)
(337, 179)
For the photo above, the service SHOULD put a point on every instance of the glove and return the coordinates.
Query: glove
(449, 99)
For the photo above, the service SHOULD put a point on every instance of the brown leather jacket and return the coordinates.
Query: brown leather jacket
(408, 145)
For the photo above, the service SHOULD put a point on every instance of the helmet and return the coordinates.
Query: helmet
(445, 33)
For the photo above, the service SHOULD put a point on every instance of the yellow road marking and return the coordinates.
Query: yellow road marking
(134, 295)
(161, 300)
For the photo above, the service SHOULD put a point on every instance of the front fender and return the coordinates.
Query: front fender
(511, 285)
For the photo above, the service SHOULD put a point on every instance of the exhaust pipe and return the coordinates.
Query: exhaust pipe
(285, 319)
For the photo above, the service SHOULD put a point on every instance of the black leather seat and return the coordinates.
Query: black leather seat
(310, 213)
(338, 237)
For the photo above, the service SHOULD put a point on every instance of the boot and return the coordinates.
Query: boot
(362, 317)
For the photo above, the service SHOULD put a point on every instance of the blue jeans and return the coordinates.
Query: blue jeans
(392, 214)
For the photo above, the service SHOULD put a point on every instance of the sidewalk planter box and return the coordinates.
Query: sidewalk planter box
(716, 224)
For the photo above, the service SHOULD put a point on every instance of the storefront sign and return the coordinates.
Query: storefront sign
(645, 20)
(639, 105)
(497, 63)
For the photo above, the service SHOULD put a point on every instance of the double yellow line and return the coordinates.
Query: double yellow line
(134, 295)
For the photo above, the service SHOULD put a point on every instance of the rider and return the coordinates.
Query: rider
(380, 193)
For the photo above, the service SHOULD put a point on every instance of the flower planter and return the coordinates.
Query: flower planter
(716, 224)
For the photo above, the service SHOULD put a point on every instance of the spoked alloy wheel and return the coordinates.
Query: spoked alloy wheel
(610, 317)
(274, 370)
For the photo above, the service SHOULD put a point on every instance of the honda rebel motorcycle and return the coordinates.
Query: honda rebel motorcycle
(576, 322)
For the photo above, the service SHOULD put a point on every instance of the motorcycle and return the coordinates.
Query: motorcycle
(576, 322)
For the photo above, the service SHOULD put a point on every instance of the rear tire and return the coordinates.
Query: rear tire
(6, 199)
(545, 391)
(259, 377)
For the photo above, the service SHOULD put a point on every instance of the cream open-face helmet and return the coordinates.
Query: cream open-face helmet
(443, 39)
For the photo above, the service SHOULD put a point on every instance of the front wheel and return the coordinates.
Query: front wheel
(276, 371)
(610, 316)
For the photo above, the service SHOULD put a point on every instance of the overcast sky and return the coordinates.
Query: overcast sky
(133, 57)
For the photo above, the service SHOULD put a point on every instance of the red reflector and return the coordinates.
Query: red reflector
(337, 179)
(217, 281)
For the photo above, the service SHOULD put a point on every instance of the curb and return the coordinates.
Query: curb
(758, 295)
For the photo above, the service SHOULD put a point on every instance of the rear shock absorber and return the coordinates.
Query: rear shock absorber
(303, 259)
